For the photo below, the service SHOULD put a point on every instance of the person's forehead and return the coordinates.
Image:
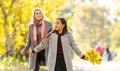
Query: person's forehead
(37, 11)
(58, 20)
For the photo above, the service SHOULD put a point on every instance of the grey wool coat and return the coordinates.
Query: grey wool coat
(67, 43)
(32, 59)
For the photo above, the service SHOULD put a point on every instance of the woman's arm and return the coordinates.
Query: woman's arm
(26, 47)
(28, 41)
(44, 44)
(50, 27)
(74, 45)
(28, 44)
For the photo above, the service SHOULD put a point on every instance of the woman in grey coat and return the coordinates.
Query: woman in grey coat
(38, 28)
(59, 42)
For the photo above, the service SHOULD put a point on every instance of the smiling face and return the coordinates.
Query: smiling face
(38, 15)
(58, 25)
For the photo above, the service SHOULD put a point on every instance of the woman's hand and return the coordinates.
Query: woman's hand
(32, 53)
(34, 42)
(22, 52)
(84, 57)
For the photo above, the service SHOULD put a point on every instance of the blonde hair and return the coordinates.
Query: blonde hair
(33, 13)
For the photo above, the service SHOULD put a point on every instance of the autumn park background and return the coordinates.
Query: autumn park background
(90, 22)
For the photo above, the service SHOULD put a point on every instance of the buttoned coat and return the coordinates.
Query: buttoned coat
(67, 43)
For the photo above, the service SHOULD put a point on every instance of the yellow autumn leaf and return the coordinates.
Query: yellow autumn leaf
(93, 57)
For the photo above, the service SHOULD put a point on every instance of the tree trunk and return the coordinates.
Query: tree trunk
(8, 44)
(8, 41)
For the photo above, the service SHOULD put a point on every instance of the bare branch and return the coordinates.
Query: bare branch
(13, 1)
(4, 14)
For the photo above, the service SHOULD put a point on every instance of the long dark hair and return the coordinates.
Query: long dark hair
(63, 21)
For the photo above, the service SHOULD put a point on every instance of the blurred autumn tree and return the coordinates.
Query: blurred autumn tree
(94, 23)
(115, 30)
(15, 16)
(90, 22)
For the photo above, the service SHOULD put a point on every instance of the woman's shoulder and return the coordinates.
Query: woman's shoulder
(69, 34)
(30, 25)
(66, 34)
(47, 22)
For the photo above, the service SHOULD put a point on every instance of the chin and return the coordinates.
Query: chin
(56, 29)
(39, 18)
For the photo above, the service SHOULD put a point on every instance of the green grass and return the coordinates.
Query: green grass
(13, 64)
(17, 67)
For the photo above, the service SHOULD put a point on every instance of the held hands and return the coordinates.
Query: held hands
(31, 52)
(34, 42)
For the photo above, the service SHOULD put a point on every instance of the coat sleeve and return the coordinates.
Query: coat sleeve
(74, 45)
(28, 44)
(50, 27)
(44, 44)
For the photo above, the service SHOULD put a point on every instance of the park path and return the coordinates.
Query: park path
(87, 66)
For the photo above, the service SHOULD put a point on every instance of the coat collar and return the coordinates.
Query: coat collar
(59, 34)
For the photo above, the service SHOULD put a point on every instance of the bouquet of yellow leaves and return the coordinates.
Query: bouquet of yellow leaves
(93, 57)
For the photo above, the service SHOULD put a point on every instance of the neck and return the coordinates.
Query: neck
(60, 31)
(37, 20)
